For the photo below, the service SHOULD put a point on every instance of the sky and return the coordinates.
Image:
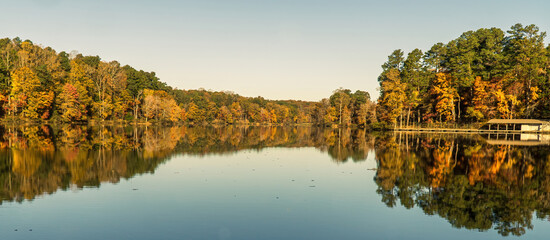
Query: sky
(286, 49)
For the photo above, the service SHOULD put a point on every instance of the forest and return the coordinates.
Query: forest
(38, 84)
(483, 74)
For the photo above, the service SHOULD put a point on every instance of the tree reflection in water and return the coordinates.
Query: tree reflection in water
(461, 178)
(465, 180)
(41, 159)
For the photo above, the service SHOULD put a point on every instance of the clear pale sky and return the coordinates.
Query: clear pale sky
(287, 49)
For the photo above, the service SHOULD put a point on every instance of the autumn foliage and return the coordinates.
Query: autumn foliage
(483, 74)
(37, 83)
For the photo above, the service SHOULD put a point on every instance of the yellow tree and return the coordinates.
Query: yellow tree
(236, 111)
(161, 106)
(8, 55)
(71, 108)
(345, 116)
(285, 114)
(24, 85)
(80, 77)
(151, 105)
(392, 97)
(26, 55)
(479, 108)
(211, 111)
(265, 115)
(505, 103)
(503, 109)
(110, 77)
(340, 99)
(273, 116)
(533, 94)
(175, 112)
(412, 101)
(195, 114)
(39, 105)
(44, 61)
(512, 99)
(362, 114)
(445, 97)
(183, 116)
(330, 115)
(32, 56)
(135, 104)
(122, 102)
(225, 115)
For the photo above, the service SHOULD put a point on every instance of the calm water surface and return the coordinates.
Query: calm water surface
(77, 182)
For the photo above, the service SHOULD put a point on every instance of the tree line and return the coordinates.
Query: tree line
(39, 84)
(483, 74)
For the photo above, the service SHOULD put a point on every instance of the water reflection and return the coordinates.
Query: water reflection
(474, 182)
(466, 180)
(35, 160)
(517, 139)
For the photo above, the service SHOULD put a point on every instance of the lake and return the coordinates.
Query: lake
(91, 182)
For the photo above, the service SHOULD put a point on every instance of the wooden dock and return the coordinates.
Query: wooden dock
(493, 126)
(465, 131)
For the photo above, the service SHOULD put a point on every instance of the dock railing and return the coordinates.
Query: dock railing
(461, 128)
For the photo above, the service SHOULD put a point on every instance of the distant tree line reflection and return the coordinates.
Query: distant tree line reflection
(461, 178)
(35, 160)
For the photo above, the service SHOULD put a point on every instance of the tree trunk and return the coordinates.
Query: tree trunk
(458, 108)
(408, 116)
(401, 120)
(340, 110)
(9, 104)
(100, 104)
(113, 109)
(135, 109)
(453, 111)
